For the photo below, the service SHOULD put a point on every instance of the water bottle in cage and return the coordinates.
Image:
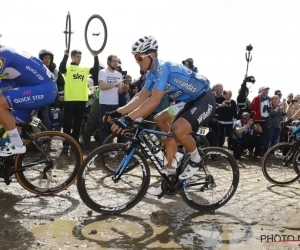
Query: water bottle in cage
(177, 159)
(156, 150)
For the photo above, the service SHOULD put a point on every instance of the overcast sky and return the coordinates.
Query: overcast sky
(213, 32)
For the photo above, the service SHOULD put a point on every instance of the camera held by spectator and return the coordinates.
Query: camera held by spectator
(245, 135)
(189, 63)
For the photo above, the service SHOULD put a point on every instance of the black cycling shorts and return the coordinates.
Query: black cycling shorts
(200, 111)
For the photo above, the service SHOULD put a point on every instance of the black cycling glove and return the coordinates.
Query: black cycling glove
(124, 122)
(115, 114)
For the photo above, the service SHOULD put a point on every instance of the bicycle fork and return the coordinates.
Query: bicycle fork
(120, 170)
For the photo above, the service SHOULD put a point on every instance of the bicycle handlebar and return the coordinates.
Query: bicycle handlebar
(141, 123)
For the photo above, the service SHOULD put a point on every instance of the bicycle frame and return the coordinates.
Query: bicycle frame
(141, 135)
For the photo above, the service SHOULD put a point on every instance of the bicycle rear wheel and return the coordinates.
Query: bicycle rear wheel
(100, 193)
(214, 184)
(280, 164)
(46, 168)
(201, 141)
(95, 34)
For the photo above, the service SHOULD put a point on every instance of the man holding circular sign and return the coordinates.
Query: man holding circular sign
(75, 91)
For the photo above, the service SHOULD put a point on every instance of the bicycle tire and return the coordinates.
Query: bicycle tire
(109, 139)
(25, 183)
(86, 198)
(105, 34)
(235, 181)
(40, 127)
(268, 155)
(68, 32)
(203, 142)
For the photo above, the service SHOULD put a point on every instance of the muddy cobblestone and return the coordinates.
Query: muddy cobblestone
(258, 211)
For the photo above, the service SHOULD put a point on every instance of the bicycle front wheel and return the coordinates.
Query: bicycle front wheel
(100, 192)
(280, 164)
(108, 159)
(47, 167)
(95, 34)
(214, 184)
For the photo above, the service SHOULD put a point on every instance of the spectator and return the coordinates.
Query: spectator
(227, 116)
(245, 136)
(214, 131)
(290, 98)
(293, 107)
(124, 92)
(75, 92)
(47, 58)
(110, 81)
(279, 94)
(261, 107)
(276, 115)
(243, 103)
(189, 63)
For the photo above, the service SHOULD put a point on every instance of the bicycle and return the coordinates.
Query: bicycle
(94, 183)
(38, 175)
(199, 138)
(283, 159)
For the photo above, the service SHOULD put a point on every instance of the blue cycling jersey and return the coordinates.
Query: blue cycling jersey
(26, 83)
(22, 68)
(176, 81)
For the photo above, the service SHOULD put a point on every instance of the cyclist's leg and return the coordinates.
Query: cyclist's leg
(22, 98)
(195, 114)
(7, 120)
(163, 120)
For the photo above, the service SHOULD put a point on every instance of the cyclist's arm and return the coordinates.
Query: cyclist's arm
(135, 102)
(296, 115)
(147, 106)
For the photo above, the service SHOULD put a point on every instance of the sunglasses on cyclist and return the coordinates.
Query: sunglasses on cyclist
(140, 58)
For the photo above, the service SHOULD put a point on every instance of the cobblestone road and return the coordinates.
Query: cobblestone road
(258, 212)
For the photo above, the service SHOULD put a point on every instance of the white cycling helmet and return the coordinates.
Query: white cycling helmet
(144, 44)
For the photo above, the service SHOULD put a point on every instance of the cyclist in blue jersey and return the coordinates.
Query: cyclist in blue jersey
(26, 85)
(178, 82)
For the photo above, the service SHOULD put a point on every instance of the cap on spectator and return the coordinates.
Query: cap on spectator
(245, 115)
(264, 87)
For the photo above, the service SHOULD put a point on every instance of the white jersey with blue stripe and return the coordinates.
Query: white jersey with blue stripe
(176, 81)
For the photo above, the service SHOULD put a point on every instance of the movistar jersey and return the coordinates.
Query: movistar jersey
(176, 81)
(22, 68)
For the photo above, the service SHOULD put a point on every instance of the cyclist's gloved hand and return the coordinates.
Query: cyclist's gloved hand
(109, 117)
(124, 122)
(115, 114)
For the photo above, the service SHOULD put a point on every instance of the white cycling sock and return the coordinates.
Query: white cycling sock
(15, 138)
(195, 157)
